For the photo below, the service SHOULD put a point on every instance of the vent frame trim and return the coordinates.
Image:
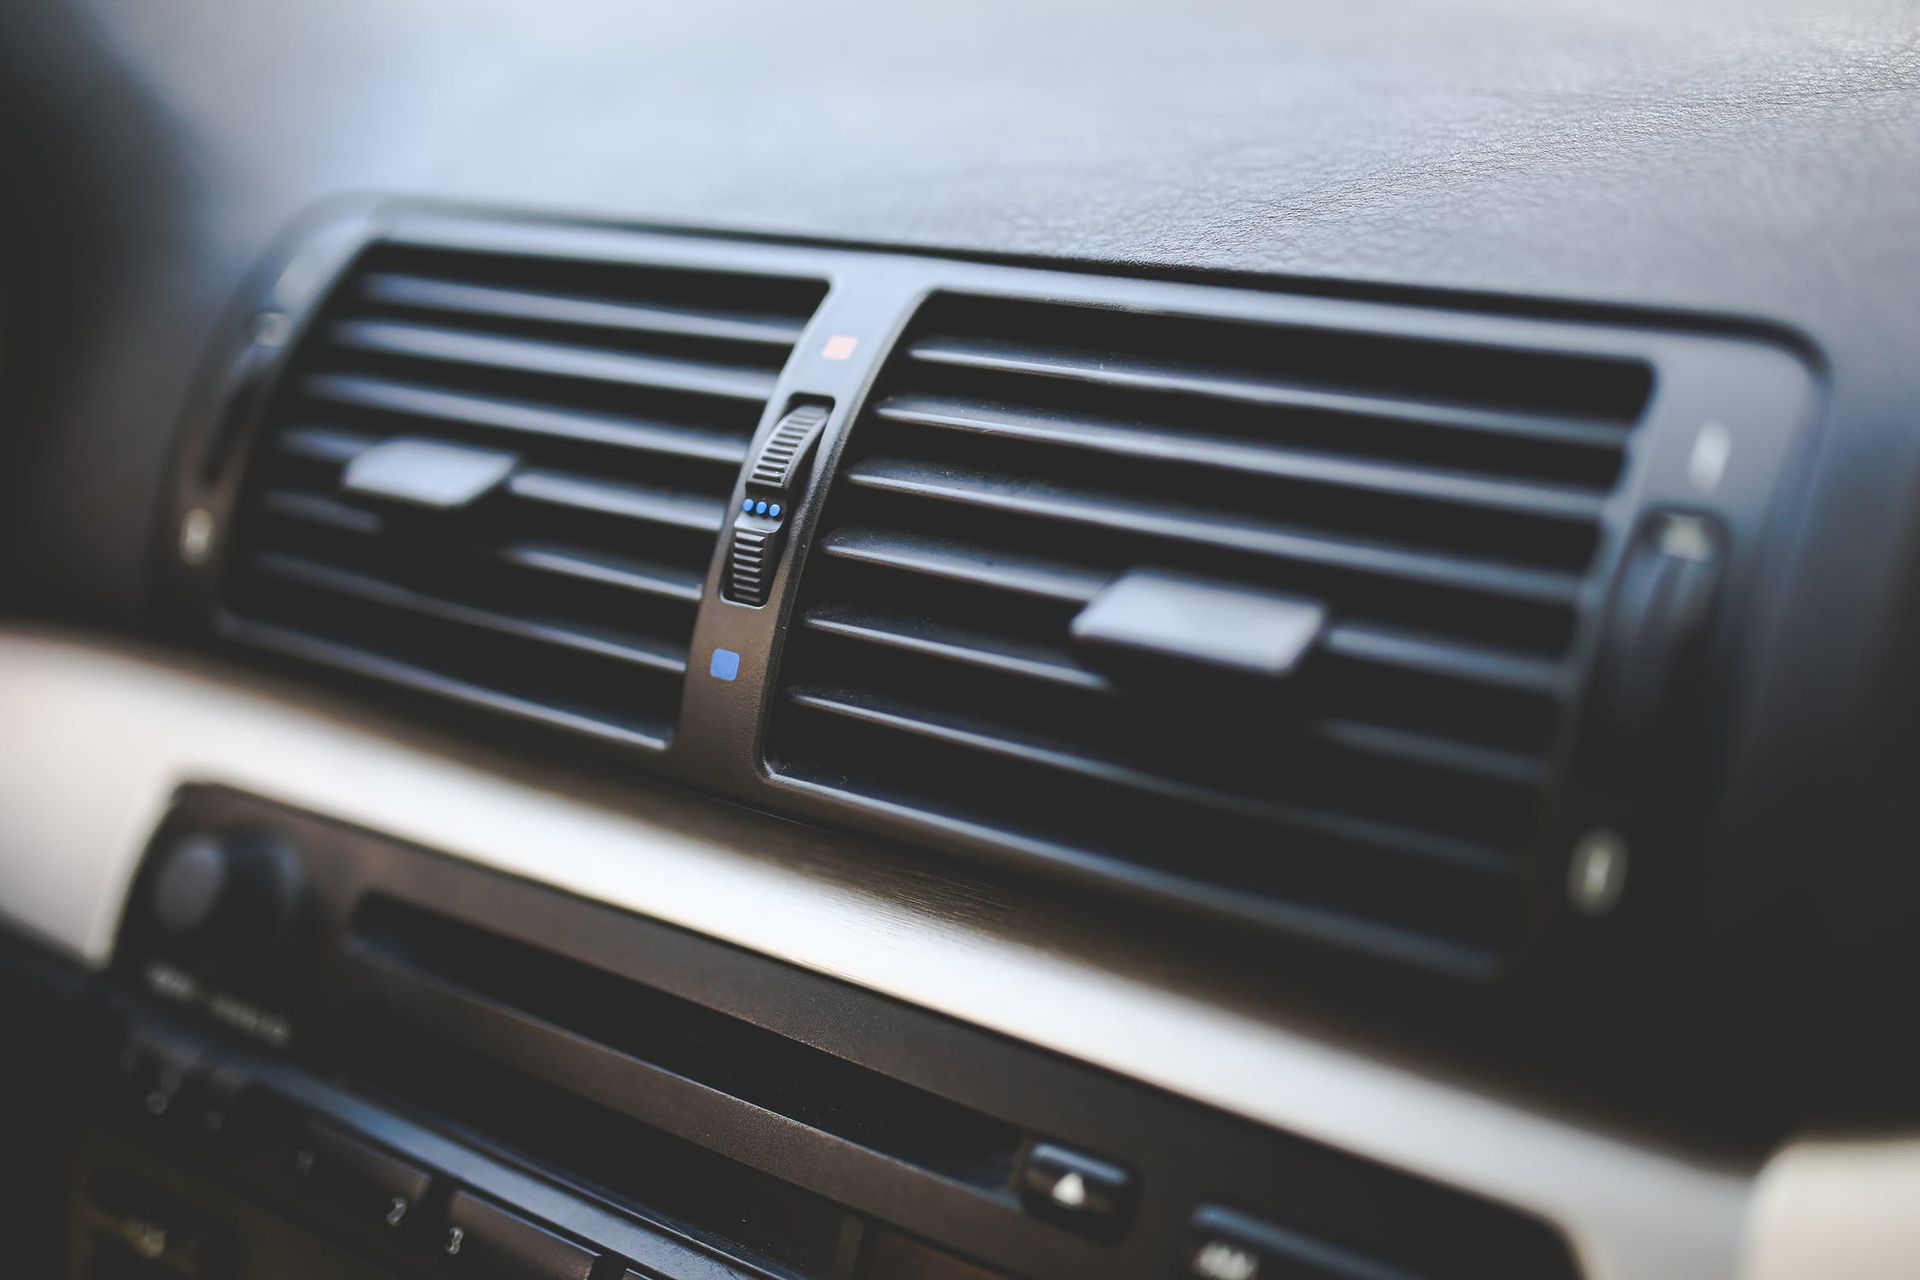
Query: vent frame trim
(1701, 369)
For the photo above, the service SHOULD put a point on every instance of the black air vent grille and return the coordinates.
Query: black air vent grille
(626, 397)
(1442, 502)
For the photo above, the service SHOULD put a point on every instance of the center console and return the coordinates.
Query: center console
(321, 1052)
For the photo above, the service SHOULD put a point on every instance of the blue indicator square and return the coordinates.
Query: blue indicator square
(725, 664)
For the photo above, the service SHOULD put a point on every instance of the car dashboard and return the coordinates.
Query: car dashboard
(968, 644)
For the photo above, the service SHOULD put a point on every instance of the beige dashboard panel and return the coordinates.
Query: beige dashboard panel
(1839, 1209)
(94, 739)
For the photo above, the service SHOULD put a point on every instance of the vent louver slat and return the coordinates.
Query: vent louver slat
(1443, 504)
(626, 397)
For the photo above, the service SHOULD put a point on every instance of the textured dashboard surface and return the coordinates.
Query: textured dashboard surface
(1703, 153)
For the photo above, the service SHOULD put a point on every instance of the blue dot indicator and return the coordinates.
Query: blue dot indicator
(747, 505)
(774, 510)
(759, 508)
(725, 664)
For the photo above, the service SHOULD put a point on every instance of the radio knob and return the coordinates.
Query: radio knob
(234, 897)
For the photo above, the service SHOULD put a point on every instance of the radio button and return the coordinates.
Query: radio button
(1077, 1191)
(155, 1075)
(1227, 1245)
(222, 1105)
(379, 1191)
(487, 1242)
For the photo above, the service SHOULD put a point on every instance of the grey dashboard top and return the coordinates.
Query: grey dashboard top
(1755, 159)
(1745, 157)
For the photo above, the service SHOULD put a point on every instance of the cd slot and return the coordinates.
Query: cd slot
(601, 1153)
(643, 1054)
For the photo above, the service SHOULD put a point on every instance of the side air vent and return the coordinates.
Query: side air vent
(1276, 622)
(501, 478)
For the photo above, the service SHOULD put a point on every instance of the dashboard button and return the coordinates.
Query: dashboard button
(1076, 1191)
(231, 898)
(221, 1105)
(155, 1076)
(1228, 1245)
(488, 1242)
(892, 1256)
(377, 1190)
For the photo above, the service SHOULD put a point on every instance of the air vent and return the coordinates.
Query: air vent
(1276, 622)
(501, 478)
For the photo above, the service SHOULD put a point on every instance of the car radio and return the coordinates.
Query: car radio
(321, 1052)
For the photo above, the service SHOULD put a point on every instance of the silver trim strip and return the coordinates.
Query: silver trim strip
(95, 738)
